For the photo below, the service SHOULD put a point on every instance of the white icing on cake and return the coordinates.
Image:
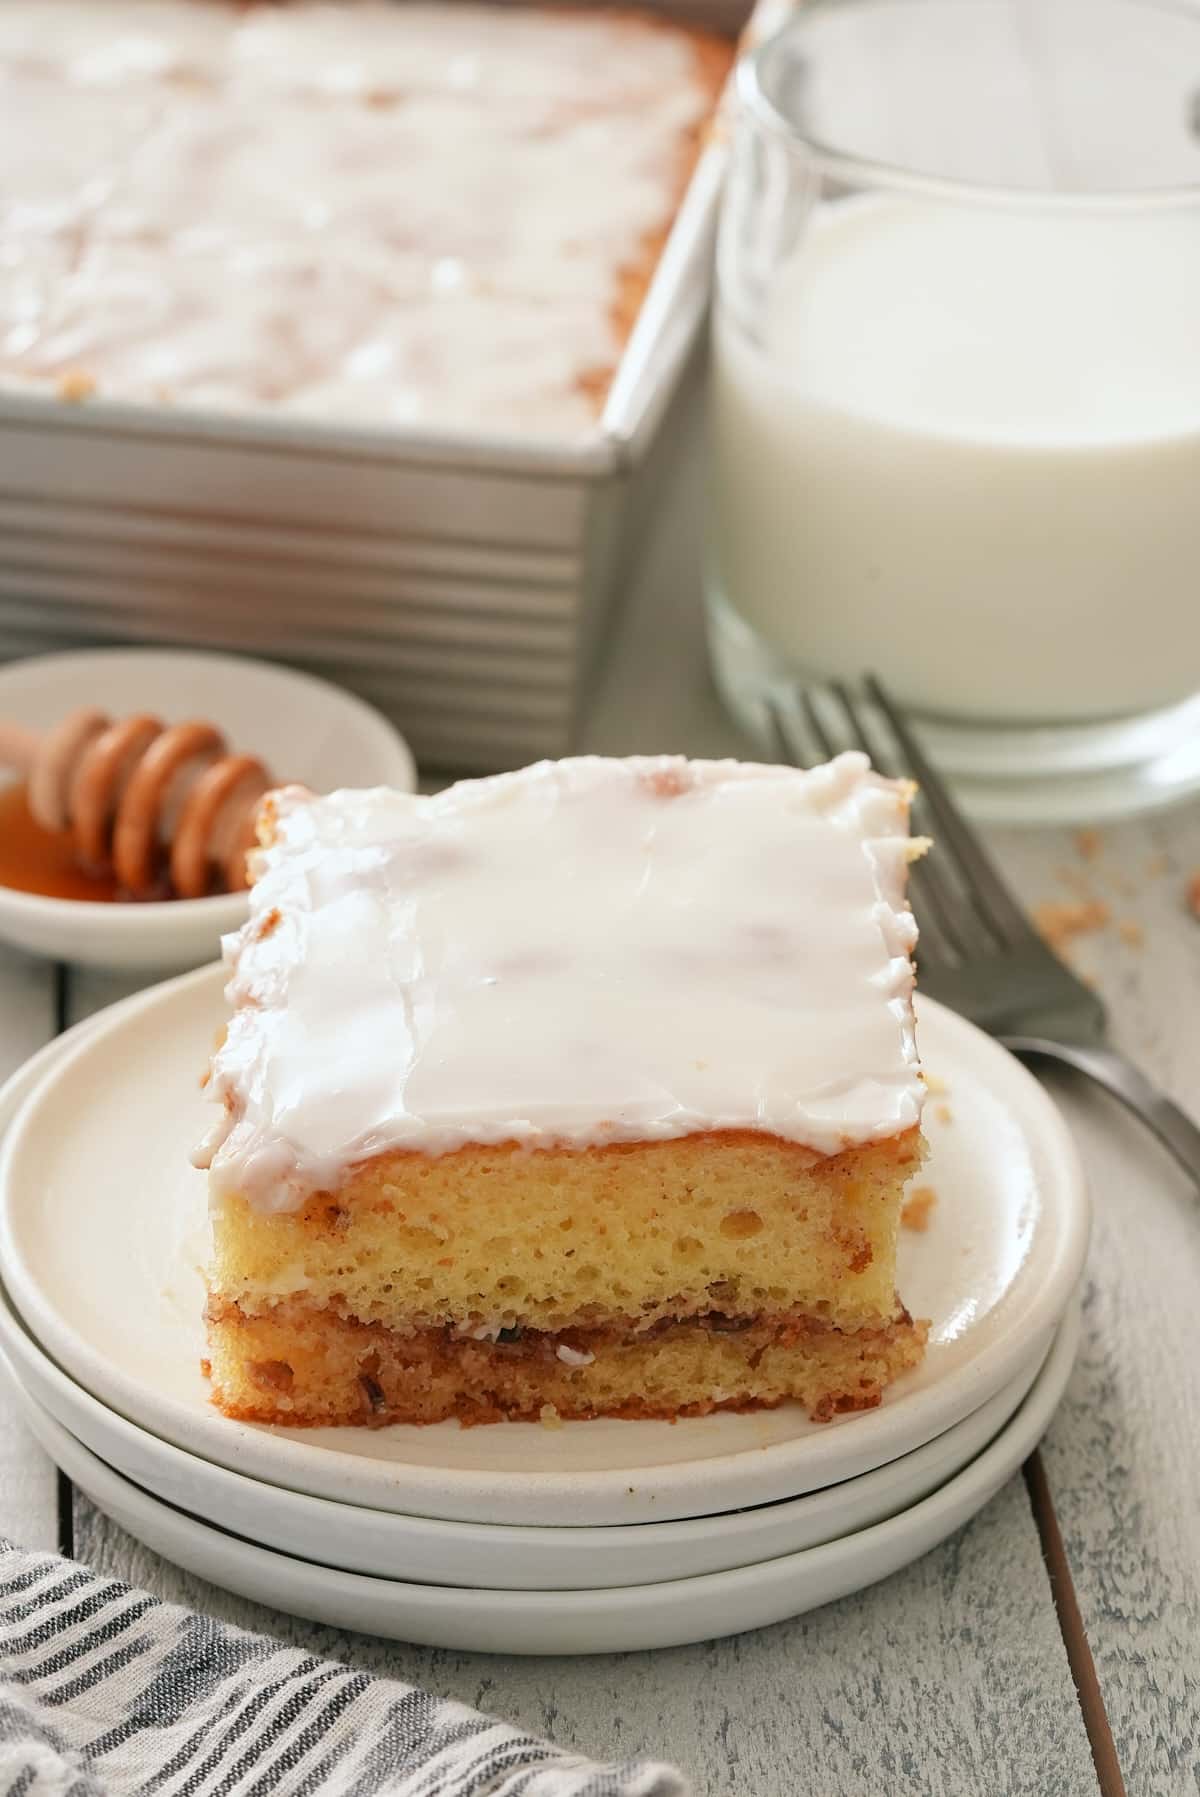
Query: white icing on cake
(372, 213)
(566, 955)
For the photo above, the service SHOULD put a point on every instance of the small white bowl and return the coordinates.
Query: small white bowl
(304, 729)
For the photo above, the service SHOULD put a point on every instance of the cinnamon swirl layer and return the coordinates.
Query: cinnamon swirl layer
(299, 1363)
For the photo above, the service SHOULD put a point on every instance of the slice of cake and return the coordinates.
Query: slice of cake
(586, 1090)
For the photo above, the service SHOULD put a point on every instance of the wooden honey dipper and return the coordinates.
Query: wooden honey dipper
(136, 793)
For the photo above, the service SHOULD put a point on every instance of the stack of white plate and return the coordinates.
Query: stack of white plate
(592, 1537)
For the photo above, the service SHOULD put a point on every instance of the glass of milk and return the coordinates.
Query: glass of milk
(955, 408)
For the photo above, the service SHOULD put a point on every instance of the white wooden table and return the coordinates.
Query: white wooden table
(952, 1678)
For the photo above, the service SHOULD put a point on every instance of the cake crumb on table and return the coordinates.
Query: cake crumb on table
(918, 1208)
(549, 1418)
(1131, 932)
(944, 1114)
(1088, 843)
(75, 384)
(1057, 923)
(1193, 895)
(935, 1087)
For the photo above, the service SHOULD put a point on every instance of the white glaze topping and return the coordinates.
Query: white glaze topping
(368, 212)
(578, 953)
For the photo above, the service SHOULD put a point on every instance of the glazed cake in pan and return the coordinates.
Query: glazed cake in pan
(589, 1089)
(414, 215)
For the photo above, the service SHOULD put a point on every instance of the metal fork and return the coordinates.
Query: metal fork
(979, 954)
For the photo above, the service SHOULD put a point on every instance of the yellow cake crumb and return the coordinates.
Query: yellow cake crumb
(76, 385)
(918, 1208)
(731, 1220)
(1058, 923)
(936, 1088)
(943, 1113)
(549, 1418)
(1131, 932)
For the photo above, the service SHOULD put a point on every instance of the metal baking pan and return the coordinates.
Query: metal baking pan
(460, 582)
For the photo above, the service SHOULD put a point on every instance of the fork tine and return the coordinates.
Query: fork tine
(865, 738)
(956, 836)
(939, 940)
(791, 748)
(781, 748)
(816, 724)
(937, 895)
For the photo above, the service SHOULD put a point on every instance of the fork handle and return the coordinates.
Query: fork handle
(1173, 1127)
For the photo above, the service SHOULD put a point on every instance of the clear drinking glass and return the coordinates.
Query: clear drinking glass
(955, 413)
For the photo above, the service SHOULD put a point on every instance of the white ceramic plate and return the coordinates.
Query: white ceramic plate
(302, 728)
(385, 1544)
(103, 1232)
(568, 1622)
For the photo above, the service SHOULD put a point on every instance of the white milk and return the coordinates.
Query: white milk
(967, 454)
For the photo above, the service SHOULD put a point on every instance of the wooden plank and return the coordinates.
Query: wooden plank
(1123, 1459)
(93, 988)
(948, 1678)
(1079, 1648)
(1123, 1456)
(27, 1478)
(26, 1007)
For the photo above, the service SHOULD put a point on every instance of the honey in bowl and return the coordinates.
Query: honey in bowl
(43, 861)
(126, 809)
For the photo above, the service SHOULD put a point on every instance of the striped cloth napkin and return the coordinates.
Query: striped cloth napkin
(106, 1692)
